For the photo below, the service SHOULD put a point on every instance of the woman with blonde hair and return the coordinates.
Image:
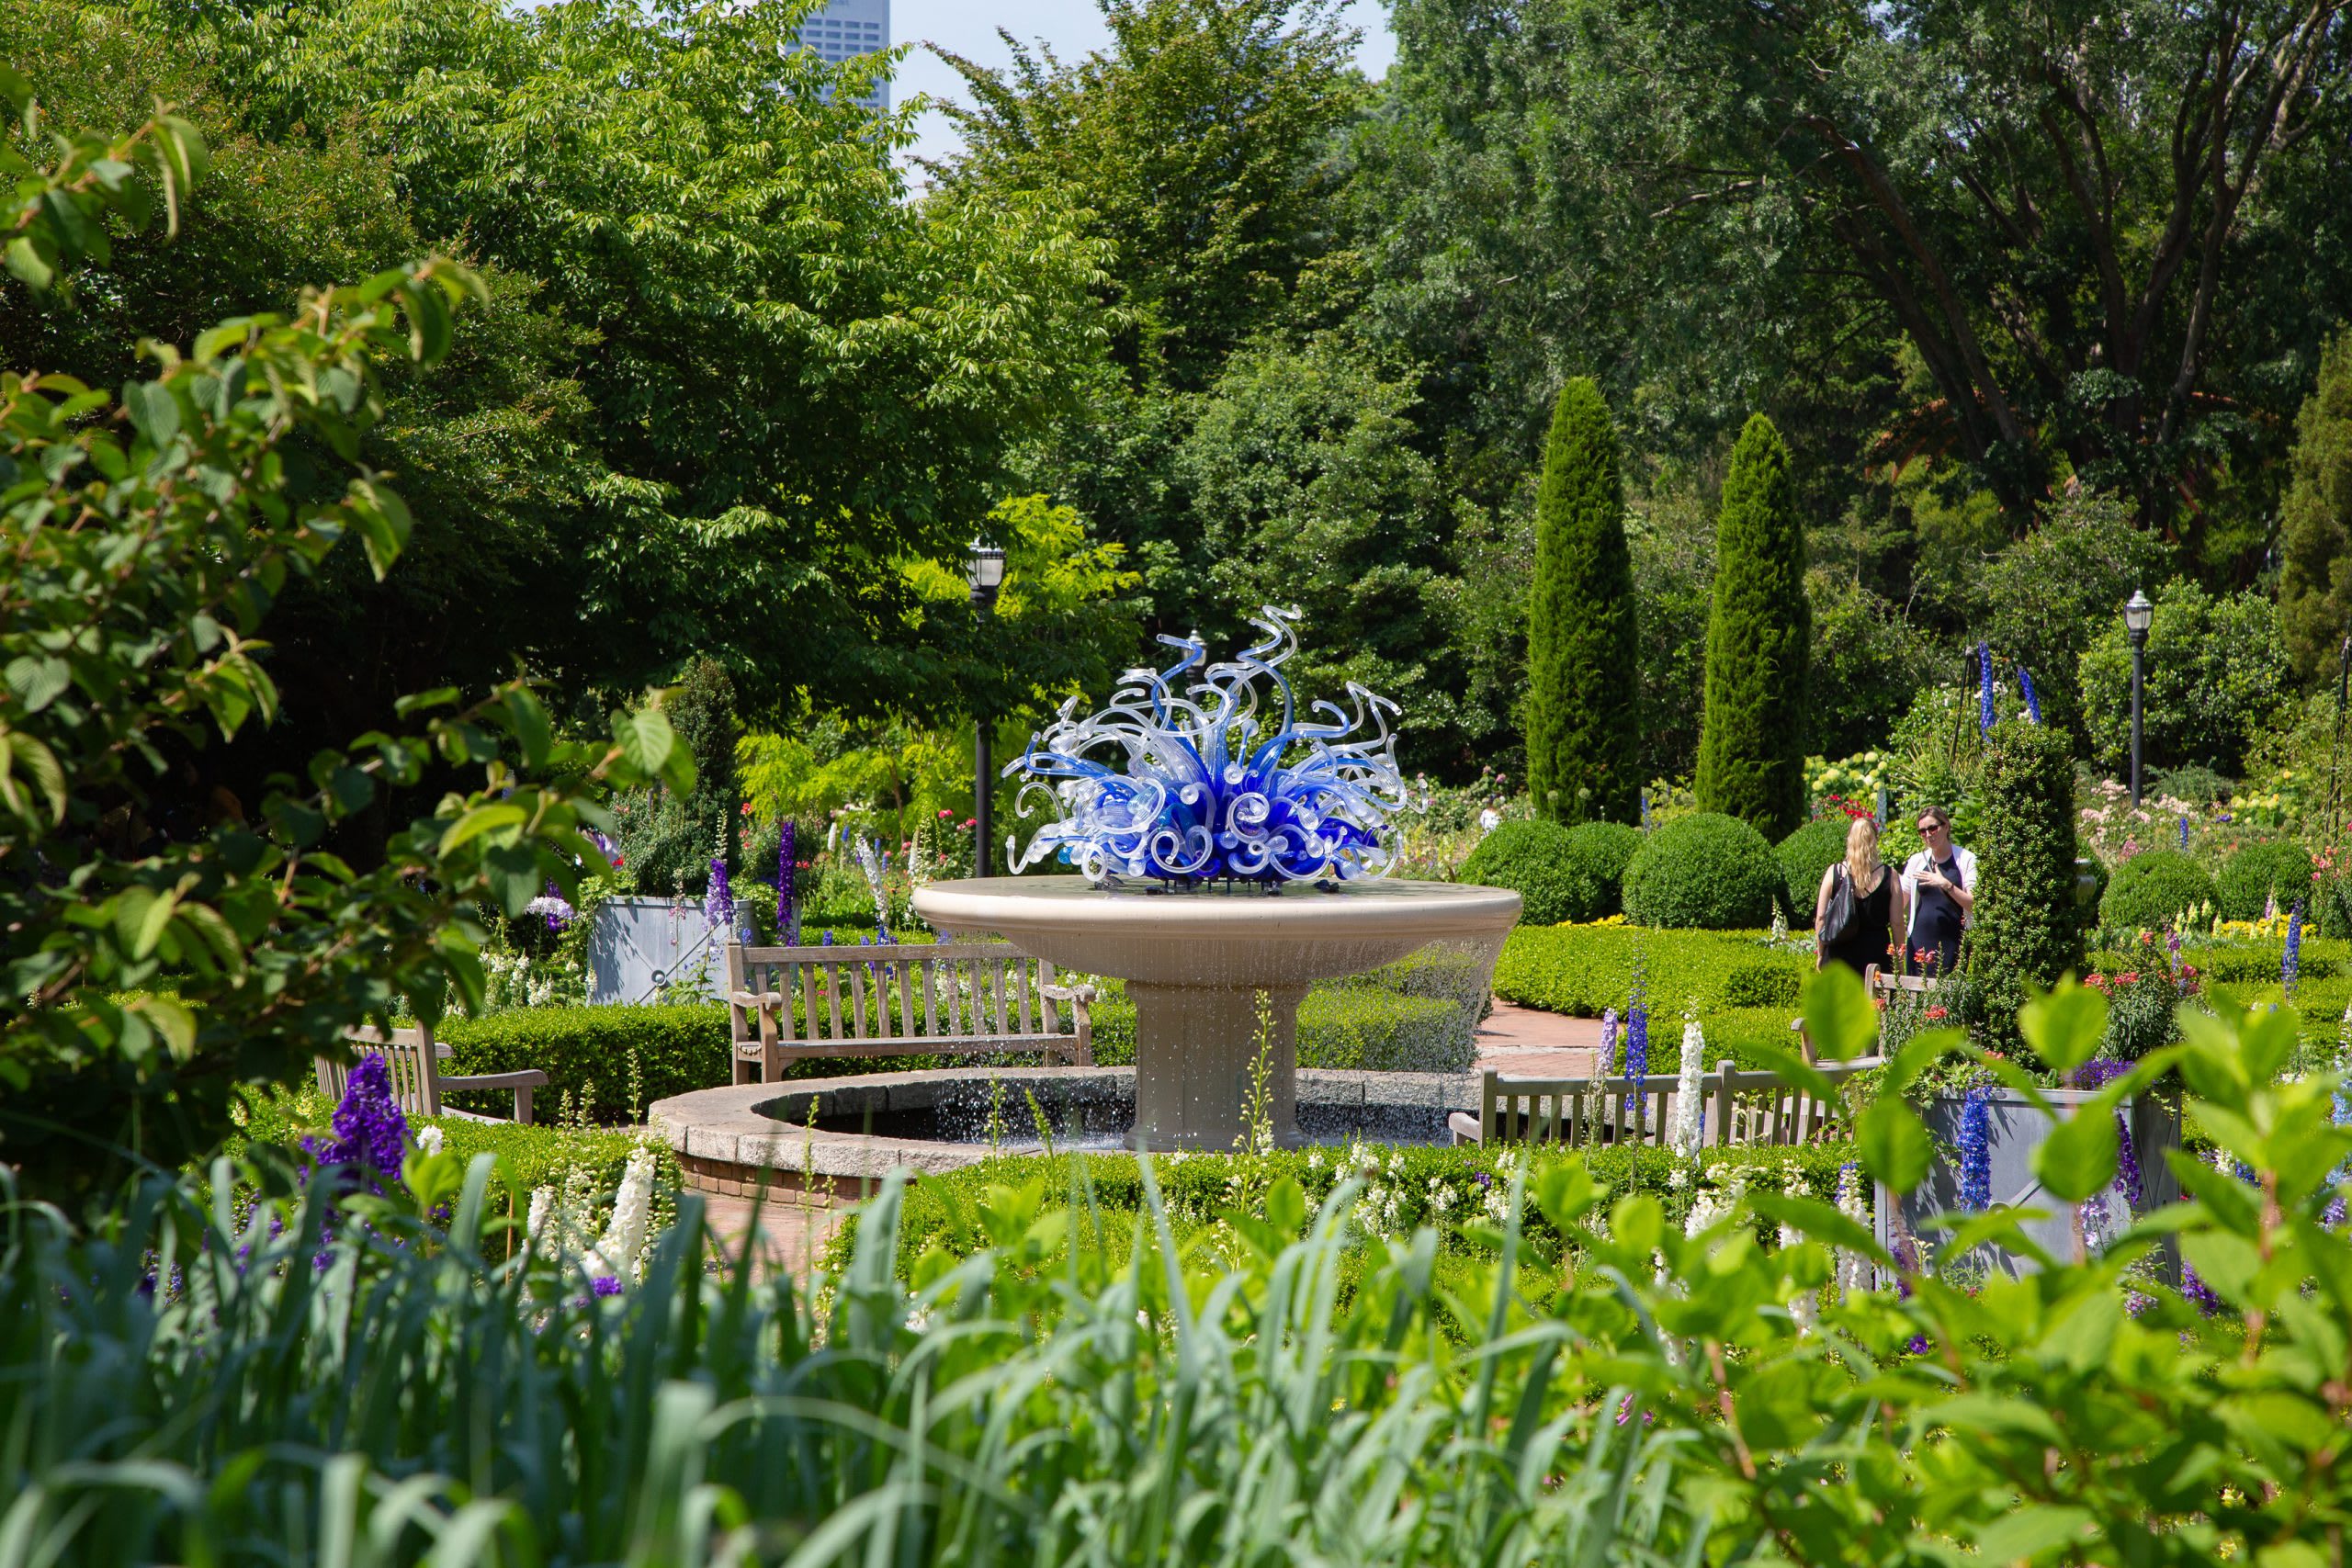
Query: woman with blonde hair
(1860, 907)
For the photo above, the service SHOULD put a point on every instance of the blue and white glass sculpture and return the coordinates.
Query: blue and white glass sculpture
(1205, 788)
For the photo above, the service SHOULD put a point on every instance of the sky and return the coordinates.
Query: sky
(1071, 26)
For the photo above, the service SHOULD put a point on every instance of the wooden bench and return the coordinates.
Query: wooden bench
(413, 1059)
(1738, 1107)
(793, 1004)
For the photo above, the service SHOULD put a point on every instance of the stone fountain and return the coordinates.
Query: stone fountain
(1220, 856)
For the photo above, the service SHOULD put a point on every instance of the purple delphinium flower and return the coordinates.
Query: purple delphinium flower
(2184, 832)
(1983, 686)
(2097, 1075)
(1607, 1054)
(606, 1285)
(2203, 1296)
(2333, 1215)
(2137, 1303)
(1976, 1150)
(2025, 684)
(2291, 960)
(370, 1134)
(719, 903)
(788, 893)
(2172, 948)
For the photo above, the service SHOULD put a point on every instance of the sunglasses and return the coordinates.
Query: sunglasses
(1927, 827)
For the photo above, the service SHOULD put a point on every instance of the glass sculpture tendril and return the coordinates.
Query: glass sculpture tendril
(1196, 782)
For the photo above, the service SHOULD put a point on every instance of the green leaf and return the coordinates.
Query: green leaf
(529, 720)
(1839, 1018)
(38, 682)
(32, 262)
(173, 1020)
(14, 91)
(2079, 1157)
(480, 820)
(384, 524)
(1823, 1223)
(2032, 1531)
(1896, 1146)
(648, 742)
(2066, 1025)
(153, 411)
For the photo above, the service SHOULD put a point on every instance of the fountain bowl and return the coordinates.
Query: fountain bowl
(1217, 973)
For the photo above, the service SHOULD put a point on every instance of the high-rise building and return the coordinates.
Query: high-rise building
(844, 29)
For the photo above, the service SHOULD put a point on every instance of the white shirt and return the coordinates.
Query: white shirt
(1962, 861)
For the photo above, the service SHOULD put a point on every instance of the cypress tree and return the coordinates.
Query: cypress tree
(2026, 930)
(1759, 640)
(2315, 520)
(1582, 664)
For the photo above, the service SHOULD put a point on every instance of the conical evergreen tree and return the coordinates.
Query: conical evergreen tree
(2315, 520)
(1759, 635)
(1582, 665)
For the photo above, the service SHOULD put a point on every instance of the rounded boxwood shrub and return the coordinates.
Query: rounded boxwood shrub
(1804, 855)
(2249, 877)
(1705, 870)
(1560, 874)
(2149, 891)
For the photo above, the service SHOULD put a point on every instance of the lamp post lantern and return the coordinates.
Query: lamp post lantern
(985, 572)
(2138, 616)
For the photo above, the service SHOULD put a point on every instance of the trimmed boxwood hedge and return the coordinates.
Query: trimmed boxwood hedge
(1707, 871)
(586, 1051)
(1805, 856)
(2249, 877)
(1340, 1029)
(1560, 874)
(1583, 970)
(2149, 891)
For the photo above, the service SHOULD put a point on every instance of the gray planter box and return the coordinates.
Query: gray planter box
(640, 946)
(2015, 1129)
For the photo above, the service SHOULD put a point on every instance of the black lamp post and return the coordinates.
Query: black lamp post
(2137, 617)
(985, 572)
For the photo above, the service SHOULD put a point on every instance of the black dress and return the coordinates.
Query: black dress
(1864, 940)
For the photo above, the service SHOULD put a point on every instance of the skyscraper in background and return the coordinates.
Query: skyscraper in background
(844, 29)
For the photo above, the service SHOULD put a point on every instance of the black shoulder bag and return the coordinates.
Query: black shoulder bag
(1838, 919)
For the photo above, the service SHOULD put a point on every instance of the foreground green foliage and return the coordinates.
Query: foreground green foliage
(1567, 1377)
(165, 965)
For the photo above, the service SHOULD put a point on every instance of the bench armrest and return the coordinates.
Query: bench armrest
(526, 1077)
(522, 1082)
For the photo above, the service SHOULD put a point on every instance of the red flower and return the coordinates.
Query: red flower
(1935, 1015)
(2131, 979)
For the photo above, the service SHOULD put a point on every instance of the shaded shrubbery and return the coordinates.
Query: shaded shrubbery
(1712, 872)
(1560, 874)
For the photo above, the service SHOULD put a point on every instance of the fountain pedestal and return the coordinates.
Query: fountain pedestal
(1194, 962)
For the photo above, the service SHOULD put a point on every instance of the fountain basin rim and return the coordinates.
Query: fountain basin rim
(752, 1129)
(1379, 908)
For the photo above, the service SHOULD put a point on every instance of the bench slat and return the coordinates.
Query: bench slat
(929, 1045)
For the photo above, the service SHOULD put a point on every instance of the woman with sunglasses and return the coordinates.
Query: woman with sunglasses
(1940, 881)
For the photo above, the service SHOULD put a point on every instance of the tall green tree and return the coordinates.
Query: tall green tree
(2315, 587)
(1194, 143)
(1583, 659)
(1759, 643)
